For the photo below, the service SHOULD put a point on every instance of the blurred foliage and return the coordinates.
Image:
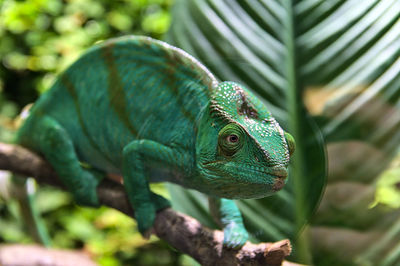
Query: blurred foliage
(388, 185)
(41, 37)
(38, 39)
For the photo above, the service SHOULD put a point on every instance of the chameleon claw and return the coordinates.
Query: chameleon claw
(147, 234)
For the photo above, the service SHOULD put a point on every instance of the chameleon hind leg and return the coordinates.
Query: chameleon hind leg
(136, 156)
(51, 140)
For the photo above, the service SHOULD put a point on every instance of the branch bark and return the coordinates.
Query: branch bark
(182, 232)
(28, 255)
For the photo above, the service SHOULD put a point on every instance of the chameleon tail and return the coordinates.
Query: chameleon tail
(25, 195)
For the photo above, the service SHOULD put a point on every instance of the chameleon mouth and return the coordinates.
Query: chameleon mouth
(280, 172)
(276, 171)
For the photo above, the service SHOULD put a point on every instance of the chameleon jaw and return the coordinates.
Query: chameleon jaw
(242, 181)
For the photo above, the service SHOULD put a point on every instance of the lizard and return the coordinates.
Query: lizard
(141, 108)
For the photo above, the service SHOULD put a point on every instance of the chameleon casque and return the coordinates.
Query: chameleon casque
(143, 109)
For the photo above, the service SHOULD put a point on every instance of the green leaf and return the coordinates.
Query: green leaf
(329, 67)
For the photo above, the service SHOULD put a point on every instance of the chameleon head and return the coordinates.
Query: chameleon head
(241, 151)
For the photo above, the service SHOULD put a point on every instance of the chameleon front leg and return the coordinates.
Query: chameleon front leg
(228, 216)
(136, 156)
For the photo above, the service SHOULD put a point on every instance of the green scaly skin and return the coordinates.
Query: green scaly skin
(150, 112)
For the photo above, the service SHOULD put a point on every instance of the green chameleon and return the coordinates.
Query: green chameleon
(143, 109)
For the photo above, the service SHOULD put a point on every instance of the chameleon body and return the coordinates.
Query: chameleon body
(140, 108)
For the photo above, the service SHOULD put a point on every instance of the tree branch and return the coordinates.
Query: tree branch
(181, 231)
(28, 255)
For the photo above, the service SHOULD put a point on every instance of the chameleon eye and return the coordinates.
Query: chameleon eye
(290, 142)
(230, 139)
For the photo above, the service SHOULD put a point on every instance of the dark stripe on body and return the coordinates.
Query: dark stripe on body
(116, 91)
(71, 89)
(172, 82)
(171, 67)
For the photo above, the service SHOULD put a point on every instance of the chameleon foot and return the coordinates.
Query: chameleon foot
(235, 236)
(86, 194)
(145, 215)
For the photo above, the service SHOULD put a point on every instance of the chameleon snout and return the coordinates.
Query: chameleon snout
(279, 182)
(280, 172)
